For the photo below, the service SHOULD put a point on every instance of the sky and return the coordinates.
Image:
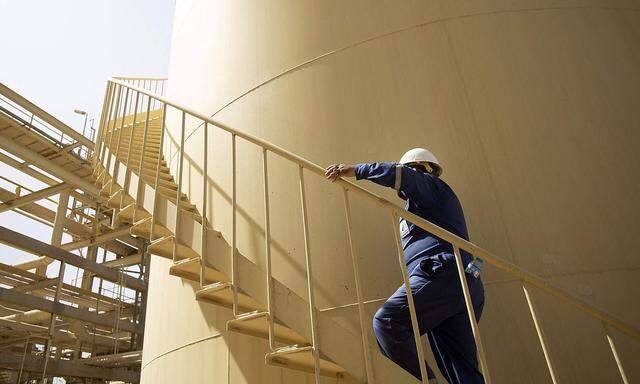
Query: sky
(59, 55)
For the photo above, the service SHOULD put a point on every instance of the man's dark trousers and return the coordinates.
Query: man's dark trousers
(442, 315)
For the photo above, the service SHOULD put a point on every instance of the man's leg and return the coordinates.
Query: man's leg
(392, 327)
(454, 347)
(392, 322)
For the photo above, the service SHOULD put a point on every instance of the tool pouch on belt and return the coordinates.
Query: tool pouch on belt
(431, 266)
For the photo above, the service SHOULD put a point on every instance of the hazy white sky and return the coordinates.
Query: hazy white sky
(59, 54)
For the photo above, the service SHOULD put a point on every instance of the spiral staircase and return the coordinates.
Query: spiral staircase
(134, 178)
(293, 350)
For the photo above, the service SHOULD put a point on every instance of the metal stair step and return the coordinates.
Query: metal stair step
(152, 129)
(257, 324)
(106, 191)
(135, 158)
(301, 358)
(151, 141)
(132, 214)
(185, 205)
(103, 177)
(115, 201)
(164, 247)
(221, 294)
(109, 191)
(148, 172)
(170, 184)
(149, 153)
(142, 228)
(147, 163)
(190, 269)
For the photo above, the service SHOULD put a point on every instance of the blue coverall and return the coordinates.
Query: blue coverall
(435, 285)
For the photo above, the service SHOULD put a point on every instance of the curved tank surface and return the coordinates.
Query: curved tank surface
(531, 107)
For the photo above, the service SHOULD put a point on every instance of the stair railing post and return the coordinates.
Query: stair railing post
(107, 124)
(234, 203)
(412, 306)
(143, 150)
(155, 90)
(179, 191)
(98, 143)
(472, 314)
(113, 129)
(157, 181)
(135, 84)
(127, 177)
(541, 335)
(104, 125)
(267, 250)
(116, 165)
(310, 285)
(614, 351)
(366, 351)
(205, 189)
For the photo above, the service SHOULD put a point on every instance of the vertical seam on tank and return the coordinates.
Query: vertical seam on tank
(467, 102)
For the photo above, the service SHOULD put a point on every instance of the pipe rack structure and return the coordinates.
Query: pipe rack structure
(87, 328)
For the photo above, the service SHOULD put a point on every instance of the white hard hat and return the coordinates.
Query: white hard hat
(421, 155)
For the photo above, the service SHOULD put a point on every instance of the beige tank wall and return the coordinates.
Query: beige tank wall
(530, 106)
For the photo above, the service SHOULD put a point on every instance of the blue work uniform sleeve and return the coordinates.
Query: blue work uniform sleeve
(416, 186)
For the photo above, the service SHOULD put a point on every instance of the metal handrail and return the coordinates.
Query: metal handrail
(63, 144)
(31, 124)
(44, 116)
(458, 243)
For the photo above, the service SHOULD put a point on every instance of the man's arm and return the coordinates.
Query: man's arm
(415, 185)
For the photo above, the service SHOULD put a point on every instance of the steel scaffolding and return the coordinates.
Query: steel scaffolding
(86, 328)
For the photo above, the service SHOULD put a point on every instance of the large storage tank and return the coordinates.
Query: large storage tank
(531, 106)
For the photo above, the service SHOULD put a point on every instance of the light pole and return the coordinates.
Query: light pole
(83, 113)
(93, 131)
(84, 126)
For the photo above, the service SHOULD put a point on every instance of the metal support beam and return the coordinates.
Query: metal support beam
(25, 243)
(56, 239)
(35, 286)
(123, 358)
(67, 368)
(44, 163)
(32, 197)
(92, 253)
(24, 167)
(123, 261)
(96, 240)
(61, 337)
(58, 231)
(23, 299)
